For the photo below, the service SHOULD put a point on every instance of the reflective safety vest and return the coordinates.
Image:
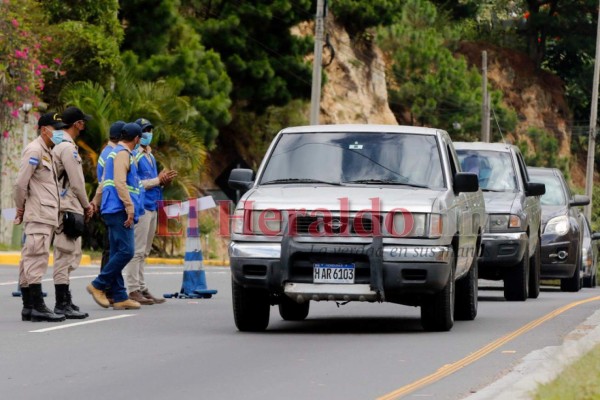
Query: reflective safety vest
(102, 161)
(148, 170)
(111, 203)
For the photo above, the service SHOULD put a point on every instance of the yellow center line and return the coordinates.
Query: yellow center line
(449, 369)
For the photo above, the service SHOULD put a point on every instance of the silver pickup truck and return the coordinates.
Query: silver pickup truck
(345, 213)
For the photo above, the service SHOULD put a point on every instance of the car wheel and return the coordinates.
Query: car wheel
(534, 273)
(465, 308)
(587, 281)
(572, 284)
(594, 283)
(251, 308)
(437, 311)
(292, 311)
(516, 280)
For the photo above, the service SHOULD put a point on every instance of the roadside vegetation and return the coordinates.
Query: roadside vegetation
(578, 381)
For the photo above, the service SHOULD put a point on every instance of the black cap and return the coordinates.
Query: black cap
(51, 119)
(130, 131)
(74, 114)
(144, 123)
(115, 129)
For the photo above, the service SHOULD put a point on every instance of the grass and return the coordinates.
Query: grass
(578, 381)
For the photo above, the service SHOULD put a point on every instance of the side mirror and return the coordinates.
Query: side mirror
(579, 200)
(535, 189)
(241, 179)
(596, 236)
(465, 182)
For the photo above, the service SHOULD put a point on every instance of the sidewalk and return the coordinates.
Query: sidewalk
(13, 258)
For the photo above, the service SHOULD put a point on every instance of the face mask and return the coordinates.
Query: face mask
(57, 137)
(146, 138)
(137, 146)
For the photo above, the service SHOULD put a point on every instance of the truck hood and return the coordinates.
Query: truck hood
(359, 198)
(499, 202)
(549, 212)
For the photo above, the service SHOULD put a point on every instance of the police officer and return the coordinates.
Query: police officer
(73, 199)
(122, 197)
(37, 202)
(145, 229)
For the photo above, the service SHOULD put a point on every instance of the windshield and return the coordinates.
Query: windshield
(555, 195)
(355, 158)
(495, 169)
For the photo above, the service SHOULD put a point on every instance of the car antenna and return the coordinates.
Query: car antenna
(498, 125)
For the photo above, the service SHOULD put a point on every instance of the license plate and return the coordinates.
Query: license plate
(333, 273)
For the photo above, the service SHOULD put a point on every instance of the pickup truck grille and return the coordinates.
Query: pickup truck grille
(334, 226)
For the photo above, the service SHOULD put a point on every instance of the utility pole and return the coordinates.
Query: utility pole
(589, 173)
(485, 107)
(315, 95)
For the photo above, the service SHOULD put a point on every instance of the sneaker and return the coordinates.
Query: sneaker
(127, 305)
(139, 297)
(98, 295)
(157, 300)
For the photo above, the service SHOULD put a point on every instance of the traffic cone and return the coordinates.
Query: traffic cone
(194, 276)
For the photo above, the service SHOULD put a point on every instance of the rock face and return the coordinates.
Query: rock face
(356, 89)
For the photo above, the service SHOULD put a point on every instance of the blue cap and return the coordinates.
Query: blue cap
(144, 123)
(115, 130)
(130, 131)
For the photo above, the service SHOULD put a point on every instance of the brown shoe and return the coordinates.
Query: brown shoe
(127, 305)
(98, 295)
(139, 297)
(157, 300)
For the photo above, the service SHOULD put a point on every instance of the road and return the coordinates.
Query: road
(191, 348)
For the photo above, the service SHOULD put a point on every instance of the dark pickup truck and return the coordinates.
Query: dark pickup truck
(511, 242)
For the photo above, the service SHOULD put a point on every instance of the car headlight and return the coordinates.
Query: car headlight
(257, 222)
(406, 224)
(502, 222)
(558, 225)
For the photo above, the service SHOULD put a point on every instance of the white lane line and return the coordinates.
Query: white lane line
(92, 321)
(9, 283)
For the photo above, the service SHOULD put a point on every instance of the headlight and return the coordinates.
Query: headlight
(501, 222)
(406, 224)
(257, 222)
(558, 225)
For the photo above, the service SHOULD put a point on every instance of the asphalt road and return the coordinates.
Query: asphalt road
(191, 348)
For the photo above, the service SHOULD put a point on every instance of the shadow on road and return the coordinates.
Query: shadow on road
(368, 325)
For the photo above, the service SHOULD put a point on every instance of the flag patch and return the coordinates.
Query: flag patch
(33, 161)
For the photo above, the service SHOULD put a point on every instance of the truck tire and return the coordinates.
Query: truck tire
(437, 311)
(292, 311)
(572, 284)
(534, 273)
(465, 308)
(251, 308)
(516, 280)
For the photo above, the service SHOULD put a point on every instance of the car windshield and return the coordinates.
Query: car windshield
(494, 169)
(555, 195)
(356, 159)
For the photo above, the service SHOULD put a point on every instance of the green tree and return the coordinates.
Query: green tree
(357, 15)
(428, 85)
(545, 151)
(171, 49)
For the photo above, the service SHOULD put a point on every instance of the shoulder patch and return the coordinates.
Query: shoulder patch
(75, 154)
(34, 161)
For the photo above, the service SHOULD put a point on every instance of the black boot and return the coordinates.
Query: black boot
(27, 304)
(70, 299)
(63, 304)
(40, 312)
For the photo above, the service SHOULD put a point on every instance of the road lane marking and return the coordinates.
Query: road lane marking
(449, 369)
(9, 283)
(92, 321)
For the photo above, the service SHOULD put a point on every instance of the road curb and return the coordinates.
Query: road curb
(13, 258)
(543, 365)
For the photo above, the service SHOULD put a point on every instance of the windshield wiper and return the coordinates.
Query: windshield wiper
(300, 180)
(388, 182)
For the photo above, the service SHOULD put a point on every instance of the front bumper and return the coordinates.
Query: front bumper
(501, 251)
(553, 265)
(400, 274)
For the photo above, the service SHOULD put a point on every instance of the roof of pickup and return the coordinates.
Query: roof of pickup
(504, 147)
(362, 128)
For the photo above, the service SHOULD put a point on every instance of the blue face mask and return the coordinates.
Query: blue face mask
(137, 146)
(146, 138)
(57, 137)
